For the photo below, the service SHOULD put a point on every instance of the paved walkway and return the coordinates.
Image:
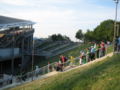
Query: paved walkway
(75, 67)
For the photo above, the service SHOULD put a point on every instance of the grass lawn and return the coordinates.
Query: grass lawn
(103, 75)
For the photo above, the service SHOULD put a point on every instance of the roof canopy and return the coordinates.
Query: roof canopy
(6, 22)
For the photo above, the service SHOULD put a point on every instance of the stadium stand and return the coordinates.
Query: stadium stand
(16, 41)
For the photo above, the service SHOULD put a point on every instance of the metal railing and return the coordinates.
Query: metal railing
(38, 72)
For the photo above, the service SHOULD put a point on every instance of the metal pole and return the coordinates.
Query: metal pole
(117, 29)
(115, 23)
(32, 57)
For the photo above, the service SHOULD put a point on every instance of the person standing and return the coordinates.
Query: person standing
(103, 48)
(62, 58)
(116, 44)
(80, 59)
(72, 61)
(92, 53)
(98, 50)
(119, 44)
(87, 55)
(49, 67)
(37, 71)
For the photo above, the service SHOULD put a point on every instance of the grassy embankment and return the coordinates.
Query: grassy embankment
(103, 75)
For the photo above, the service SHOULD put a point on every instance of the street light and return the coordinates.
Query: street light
(32, 54)
(32, 57)
(116, 1)
(115, 23)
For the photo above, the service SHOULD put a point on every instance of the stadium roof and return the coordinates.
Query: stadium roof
(6, 22)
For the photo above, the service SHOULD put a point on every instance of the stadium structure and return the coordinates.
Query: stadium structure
(16, 42)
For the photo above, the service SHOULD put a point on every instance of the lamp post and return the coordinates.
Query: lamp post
(115, 23)
(32, 57)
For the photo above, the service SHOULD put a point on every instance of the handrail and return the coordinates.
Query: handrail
(44, 70)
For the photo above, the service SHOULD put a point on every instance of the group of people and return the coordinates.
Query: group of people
(93, 52)
(117, 44)
(60, 65)
(87, 55)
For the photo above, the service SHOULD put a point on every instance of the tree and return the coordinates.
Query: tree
(59, 37)
(79, 34)
(103, 32)
(88, 36)
(54, 37)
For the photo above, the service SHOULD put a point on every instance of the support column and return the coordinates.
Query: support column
(22, 54)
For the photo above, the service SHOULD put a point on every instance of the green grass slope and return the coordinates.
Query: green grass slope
(102, 75)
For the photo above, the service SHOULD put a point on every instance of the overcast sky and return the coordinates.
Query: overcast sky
(60, 16)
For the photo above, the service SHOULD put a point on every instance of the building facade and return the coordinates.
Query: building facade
(16, 42)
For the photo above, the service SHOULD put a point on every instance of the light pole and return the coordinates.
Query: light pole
(115, 23)
(32, 58)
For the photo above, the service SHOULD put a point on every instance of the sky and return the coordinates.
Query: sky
(60, 16)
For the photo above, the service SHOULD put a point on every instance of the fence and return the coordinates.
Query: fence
(38, 72)
(5, 80)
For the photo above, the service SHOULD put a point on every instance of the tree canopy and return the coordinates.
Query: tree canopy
(59, 37)
(103, 32)
(79, 34)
